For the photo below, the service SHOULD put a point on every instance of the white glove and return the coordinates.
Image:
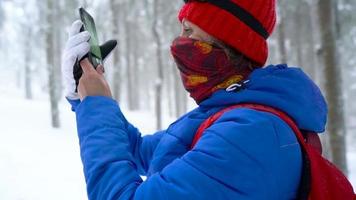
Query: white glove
(76, 48)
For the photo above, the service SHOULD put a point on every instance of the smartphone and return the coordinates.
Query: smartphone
(94, 55)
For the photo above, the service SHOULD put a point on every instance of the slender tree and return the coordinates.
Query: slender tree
(116, 10)
(51, 63)
(131, 63)
(281, 33)
(27, 63)
(159, 79)
(333, 84)
(308, 38)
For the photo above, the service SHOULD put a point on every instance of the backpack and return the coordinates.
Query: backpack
(321, 180)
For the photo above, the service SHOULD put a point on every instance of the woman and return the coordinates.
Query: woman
(245, 154)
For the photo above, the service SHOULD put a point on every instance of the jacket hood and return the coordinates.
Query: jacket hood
(286, 88)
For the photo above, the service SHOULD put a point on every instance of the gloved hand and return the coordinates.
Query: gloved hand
(77, 48)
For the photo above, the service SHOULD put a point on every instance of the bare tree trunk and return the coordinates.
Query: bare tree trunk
(132, 57)
(136, 81)
(309, 32)
(281, 34)
(116, 16)
(333, 85)
(50, 53)
(177, 95)
(27, 62)
(170, 88)
(128, 39)
(298, 35)
(320, 80)
(158, 82)
(58, 34)
(337, 19)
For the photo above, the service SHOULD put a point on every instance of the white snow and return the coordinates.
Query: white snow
(38, 162)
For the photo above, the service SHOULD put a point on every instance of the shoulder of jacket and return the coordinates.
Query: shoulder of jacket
(246, 116)
(243, 125)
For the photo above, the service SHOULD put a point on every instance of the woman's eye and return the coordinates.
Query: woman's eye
(187, 30)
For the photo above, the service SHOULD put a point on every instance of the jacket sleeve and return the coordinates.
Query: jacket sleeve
(223, 165)
(141, 148)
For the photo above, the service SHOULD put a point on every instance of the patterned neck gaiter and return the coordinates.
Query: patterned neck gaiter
(204, 68)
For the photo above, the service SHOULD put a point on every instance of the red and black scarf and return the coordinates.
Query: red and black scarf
(204, 68)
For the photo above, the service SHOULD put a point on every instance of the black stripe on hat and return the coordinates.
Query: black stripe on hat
(240, 13)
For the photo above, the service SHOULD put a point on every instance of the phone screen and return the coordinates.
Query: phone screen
(95, 53)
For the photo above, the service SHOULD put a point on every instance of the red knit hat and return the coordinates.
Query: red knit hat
(242, 24)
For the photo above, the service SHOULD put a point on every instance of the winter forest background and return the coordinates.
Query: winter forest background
(39, 151)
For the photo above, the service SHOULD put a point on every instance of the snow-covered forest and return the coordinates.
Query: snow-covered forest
(39, 152)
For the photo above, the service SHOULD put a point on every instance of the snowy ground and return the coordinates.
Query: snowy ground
(36, 161)
(41, 163)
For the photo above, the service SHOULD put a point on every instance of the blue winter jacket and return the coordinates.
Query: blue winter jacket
(245, 154)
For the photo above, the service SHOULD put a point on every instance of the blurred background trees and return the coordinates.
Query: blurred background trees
(318, 35)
